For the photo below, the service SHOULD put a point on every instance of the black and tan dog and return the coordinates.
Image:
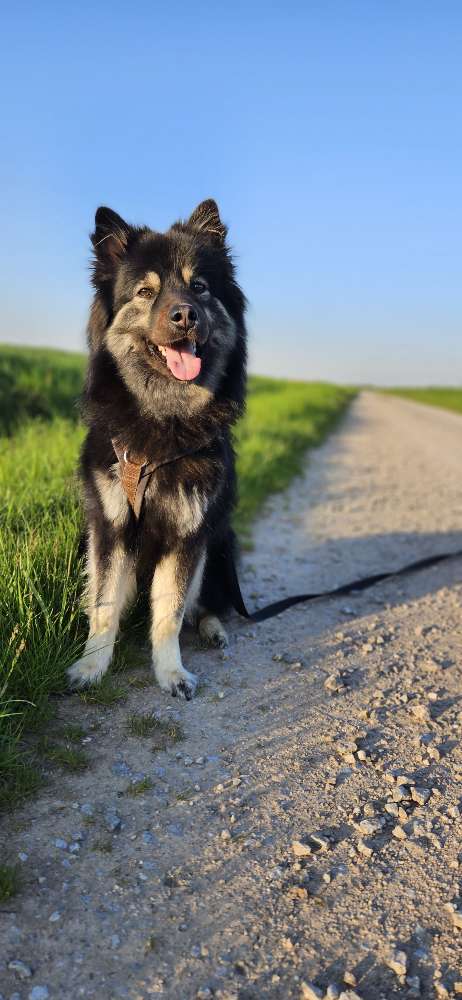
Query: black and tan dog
(165, 383)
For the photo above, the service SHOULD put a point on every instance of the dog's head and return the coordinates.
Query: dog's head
(167, 306)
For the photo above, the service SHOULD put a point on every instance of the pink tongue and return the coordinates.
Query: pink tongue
(183, 364)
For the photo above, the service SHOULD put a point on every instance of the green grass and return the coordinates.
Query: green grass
(108, 692)
(9, 882)
(446, 399)
(141, 724)
(165, 731)
(69, 758)
(41, 623)
(283, 419)
(38, 382)
(139, 787)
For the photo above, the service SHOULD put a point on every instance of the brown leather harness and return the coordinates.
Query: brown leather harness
(136, 471)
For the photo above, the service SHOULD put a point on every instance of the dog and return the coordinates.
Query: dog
(165, 384)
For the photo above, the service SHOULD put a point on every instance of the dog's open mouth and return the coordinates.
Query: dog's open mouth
(181, 358)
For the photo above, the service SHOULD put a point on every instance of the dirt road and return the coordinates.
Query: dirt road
(340, 720)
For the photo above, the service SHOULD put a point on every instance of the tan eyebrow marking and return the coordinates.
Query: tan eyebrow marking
(187, 273)
(150, 280)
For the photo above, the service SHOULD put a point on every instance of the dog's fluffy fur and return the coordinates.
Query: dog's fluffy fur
(155, 291)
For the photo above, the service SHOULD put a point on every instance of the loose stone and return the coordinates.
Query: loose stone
(365, 849)
(398, 963)
(420, 795)
(87, 809)
(300, 850)
(370, 826)
(455, 914)
(349, 978)
(20, 968)
(309, 991)
(113, 822)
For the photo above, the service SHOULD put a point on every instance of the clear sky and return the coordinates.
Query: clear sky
(329, 133)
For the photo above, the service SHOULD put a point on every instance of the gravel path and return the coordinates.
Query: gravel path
(306, 833)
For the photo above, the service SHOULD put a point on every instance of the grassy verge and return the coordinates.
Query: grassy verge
(283, 419)
(41, 624)
(446, 399)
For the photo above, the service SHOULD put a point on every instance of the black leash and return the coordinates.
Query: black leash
(347, 588)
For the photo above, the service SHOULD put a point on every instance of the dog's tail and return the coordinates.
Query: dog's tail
(217, 593)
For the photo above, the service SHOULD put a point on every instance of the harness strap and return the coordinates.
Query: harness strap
(133, 483)
(136, 471)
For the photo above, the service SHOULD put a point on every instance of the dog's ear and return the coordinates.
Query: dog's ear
(109, 240)
(206, 217)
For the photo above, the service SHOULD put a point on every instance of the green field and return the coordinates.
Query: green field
(446, 399)
(41, 625)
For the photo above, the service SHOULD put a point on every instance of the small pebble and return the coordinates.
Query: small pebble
(398, 963)
(300, 850)
(39, 993)
(55, 916)
(370, 826)
(365, 849)
(20, 968)
(455, 914)
(61, 844)
(420, 795)
(113, 822)
(349, 978)
(87, 809)
(308, 991)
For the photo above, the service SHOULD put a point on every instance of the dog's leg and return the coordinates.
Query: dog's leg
(111, 582)
(175, 586)
(211, 631)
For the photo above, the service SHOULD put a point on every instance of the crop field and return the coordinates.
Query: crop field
(41, 623)
(446, 399)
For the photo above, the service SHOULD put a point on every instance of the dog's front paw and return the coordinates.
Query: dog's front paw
(88, 670)
(212, 633)
(176, 680)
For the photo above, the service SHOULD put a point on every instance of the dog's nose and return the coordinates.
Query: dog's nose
(183, 316)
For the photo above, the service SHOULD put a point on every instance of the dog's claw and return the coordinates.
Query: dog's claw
(186, 689)
(182, 688)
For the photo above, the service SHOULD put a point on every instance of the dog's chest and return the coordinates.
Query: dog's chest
(182, 504)
(169, 498)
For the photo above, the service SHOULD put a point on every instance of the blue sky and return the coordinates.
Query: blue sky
(328, 132)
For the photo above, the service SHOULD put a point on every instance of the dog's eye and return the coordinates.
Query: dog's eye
(145, 293)
(199, 287)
